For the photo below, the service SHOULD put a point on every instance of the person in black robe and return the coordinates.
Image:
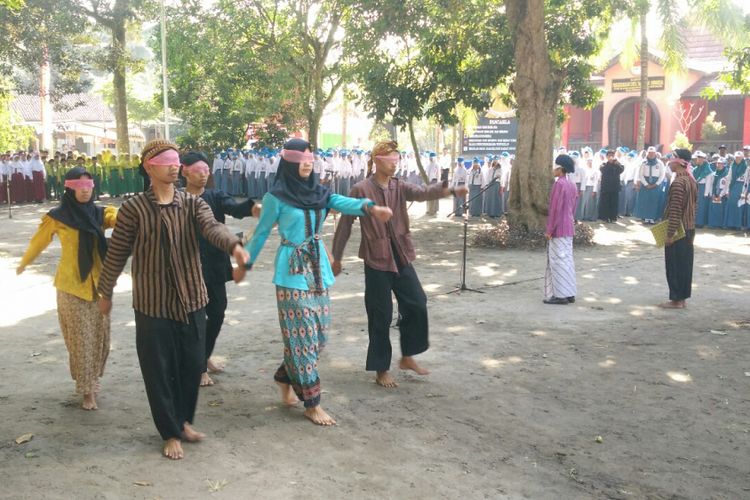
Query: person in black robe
(609, 192)
(215, 264)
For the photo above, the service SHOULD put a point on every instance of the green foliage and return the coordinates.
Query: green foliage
(234, 63)
(379, 133)
(723, 18)
(680, 141)
(711, 128)
(12, 136)
(422, 58)
(739, 77)
(271, 133)
(139, 110)
(38, 31)
(12, 4)
(576, 32)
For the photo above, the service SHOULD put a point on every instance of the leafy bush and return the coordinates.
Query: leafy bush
(711, 128)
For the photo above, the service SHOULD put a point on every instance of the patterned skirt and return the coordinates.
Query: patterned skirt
(304, 318)
(86, 334)
(560, 275)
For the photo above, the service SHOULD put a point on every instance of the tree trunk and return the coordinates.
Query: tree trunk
(313, 127)
(537, 93)
(392, 130)
(118, 82)
(344, 113)
(643, 108)
(417, 156)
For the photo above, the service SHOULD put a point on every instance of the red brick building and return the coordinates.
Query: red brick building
(675, 104)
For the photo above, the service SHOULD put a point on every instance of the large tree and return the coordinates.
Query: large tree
(218, 84)
(234, 62)
(39, 34)
(304, 38)
(552, 44)
(113, 18)
(420, 59)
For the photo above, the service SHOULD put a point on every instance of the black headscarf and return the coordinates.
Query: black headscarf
(292, 189)
(87, 218)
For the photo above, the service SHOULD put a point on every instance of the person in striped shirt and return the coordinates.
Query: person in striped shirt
(160, 229)
(682, 201)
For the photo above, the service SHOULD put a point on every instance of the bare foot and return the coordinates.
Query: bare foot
(173, 449)
(673, 304)
(215, 366)
(288, 397)
(191, 435)
(408, 363)
(206, 380)
(385, 379)
(318, 416)
(89, 402)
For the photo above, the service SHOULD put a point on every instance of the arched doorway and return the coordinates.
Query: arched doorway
(623, 123)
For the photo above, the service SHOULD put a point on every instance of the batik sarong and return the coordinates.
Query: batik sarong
(304, 318)
(560, 275)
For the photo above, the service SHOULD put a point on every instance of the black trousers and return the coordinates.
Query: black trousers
(215, 309)
(412, 305)
(172, 357)
(678, 258)
(608, 205)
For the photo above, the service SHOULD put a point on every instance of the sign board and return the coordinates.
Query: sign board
(492, 136)
(634, 84)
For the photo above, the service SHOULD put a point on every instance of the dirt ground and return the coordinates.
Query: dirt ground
(518, 395)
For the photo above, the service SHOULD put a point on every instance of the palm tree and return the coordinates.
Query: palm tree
(723, 18)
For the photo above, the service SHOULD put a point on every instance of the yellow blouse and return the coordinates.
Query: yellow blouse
(67, 277)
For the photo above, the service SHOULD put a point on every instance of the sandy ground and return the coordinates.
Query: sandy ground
(518, 395)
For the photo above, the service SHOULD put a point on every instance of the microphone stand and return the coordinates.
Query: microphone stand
(462, 286)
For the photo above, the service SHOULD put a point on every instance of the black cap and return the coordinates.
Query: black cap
(566, 162)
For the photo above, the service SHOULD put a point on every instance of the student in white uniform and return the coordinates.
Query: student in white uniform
(459, 179)
(589, 193)
(433, 173)
(474, 179)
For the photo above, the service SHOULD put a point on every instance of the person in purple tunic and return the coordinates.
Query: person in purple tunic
(560, 275)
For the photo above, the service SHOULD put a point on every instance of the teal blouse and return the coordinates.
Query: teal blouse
(297, 228)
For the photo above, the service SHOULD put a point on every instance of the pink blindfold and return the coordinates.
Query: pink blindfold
(389, 157)
(197, 167)
(297, 156)
(79, 183)
(165, 159)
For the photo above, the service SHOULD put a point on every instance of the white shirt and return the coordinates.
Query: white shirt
(459, 176)
(657, 170)
(26, 164)
(433, 170)
(631, 170)
(475, 177)
(217, 165)
(36, 165)
(274, 167)
(318, 167)
(590, 178)
(723, 184)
